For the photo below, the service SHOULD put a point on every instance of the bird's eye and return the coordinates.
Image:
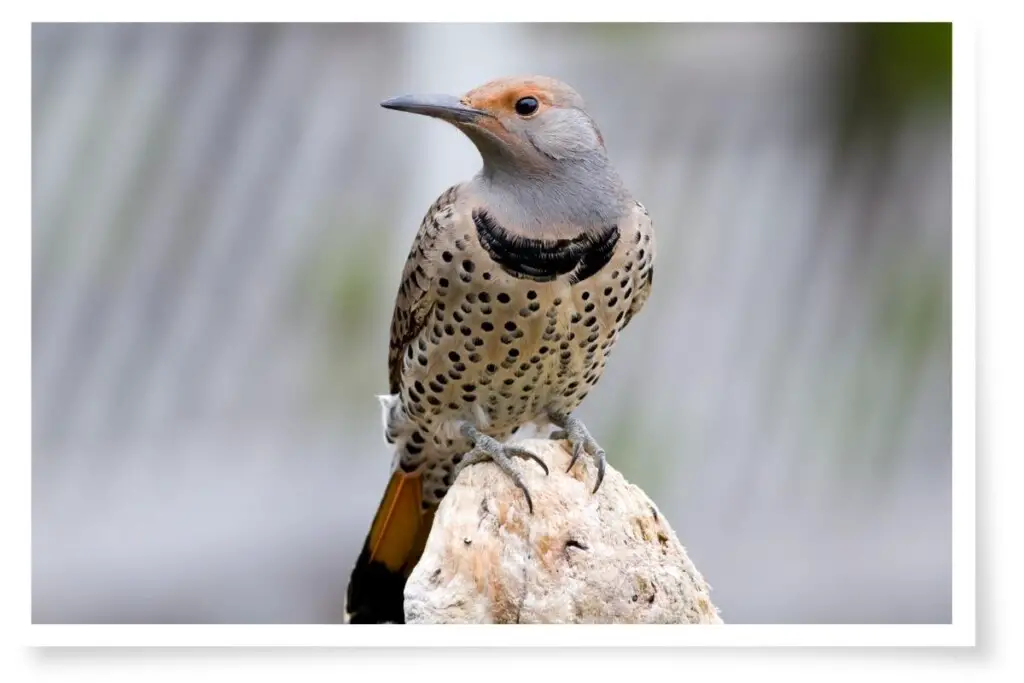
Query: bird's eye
(526, 106)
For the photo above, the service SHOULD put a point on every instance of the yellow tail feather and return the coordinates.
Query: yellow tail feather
(392, 548)
(397, 523)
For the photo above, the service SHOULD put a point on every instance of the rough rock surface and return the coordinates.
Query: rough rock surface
(608, 557)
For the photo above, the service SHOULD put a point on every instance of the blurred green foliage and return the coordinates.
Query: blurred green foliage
(343, 281)
(894, 68)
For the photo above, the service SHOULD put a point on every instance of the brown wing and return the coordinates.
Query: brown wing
(415, 300)
(643, 280)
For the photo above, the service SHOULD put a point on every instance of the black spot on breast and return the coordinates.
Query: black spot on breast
(446, 256)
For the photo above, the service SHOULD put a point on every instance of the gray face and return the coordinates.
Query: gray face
(544, 159)
(558, 133)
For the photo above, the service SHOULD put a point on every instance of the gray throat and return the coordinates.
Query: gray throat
(585, 193)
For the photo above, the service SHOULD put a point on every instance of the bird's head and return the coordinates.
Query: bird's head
(531, 124)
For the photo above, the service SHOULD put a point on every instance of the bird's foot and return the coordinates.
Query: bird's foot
(486, 449)
(581, 441)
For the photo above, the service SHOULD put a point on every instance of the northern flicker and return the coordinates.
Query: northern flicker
(514, 293)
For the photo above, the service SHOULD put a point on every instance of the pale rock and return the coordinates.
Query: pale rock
(609, 557)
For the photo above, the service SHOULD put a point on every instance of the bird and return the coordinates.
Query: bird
(516, 289)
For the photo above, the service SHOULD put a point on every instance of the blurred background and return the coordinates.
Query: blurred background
(221, 213)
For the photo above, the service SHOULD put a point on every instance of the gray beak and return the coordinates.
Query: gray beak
(444, 107)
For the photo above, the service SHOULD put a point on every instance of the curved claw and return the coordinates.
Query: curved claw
(517, 479)
(600, 457)
(487, 449)
(529, 455)
(526, 492)
(577, 451)
(582, 442)
(473, 457)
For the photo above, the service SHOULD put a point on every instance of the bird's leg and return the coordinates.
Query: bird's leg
(486, 449)
(580, 439)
